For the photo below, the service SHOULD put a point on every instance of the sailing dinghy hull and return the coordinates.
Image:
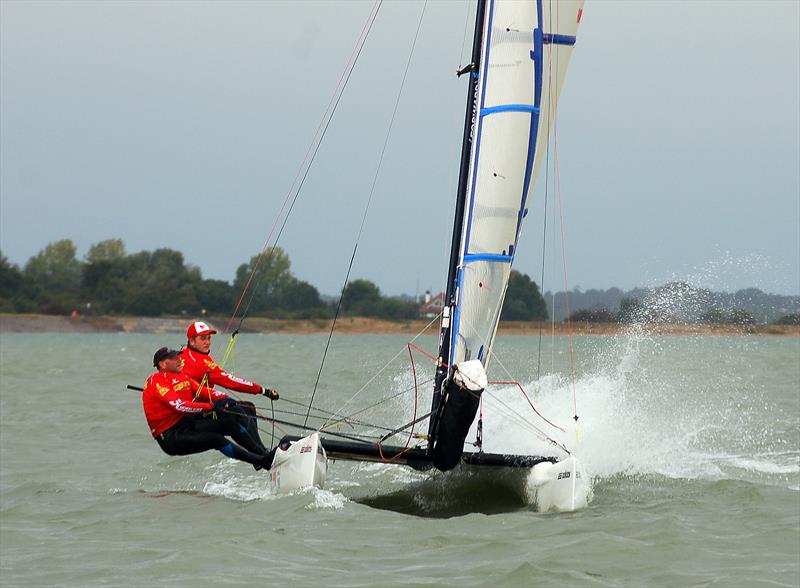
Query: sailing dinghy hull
(561, 487)
(538, 485)
(302, 465)
(549, 484)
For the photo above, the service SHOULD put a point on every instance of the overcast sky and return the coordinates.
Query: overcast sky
(182, 125)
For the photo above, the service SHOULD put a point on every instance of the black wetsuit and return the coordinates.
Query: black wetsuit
(202, 432)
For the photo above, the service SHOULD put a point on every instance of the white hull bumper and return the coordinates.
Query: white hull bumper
(561, 487)
(302, 465)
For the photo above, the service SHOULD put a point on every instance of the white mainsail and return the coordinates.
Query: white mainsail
(527, 45)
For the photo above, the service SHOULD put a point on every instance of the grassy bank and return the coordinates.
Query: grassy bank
(40, 323)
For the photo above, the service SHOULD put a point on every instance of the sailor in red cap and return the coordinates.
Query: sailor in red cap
(198, 364)
(184, 418)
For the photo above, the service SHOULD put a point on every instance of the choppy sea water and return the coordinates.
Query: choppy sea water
(693, 445)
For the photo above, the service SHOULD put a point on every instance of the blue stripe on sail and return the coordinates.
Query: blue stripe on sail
(509, 108)
(556, 39)
(470, 257)
(456, 314)
(539, 12)
(537, 55)
(484, 73)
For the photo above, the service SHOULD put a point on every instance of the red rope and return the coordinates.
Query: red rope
(416, 394)
(414, 418)
(508, 383)
(521, 389)
(433, 358)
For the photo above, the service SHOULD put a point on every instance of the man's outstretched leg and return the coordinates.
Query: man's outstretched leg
(199, 434)
(246, 434)
(257, 460)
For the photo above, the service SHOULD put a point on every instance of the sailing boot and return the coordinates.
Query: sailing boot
(257, 460)
(266, 461)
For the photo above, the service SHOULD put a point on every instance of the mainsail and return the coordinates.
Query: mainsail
(521, 73)
(524, 49)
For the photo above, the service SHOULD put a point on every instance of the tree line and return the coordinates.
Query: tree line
(111, 281)
(654, 310)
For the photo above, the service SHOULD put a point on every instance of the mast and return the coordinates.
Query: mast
(470, 127)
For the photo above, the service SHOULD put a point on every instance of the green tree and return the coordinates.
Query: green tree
(10, 284)
(160, 283)
(631, 310)
(297, 295)
(524, 301)
(713, 316)
(592, 315)
(361, 298)
(215, 296)
(110, 250)
(398, 309)
(105, 285)
(272, 276)
(739, 316)
(106, 276)
(788, 319)
(54, 277)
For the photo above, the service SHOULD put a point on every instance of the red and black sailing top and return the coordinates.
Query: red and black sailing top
(168, 397)
(197, 364)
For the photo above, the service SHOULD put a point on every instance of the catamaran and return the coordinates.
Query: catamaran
(521, 50)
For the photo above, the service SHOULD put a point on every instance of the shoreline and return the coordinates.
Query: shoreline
(42, 323)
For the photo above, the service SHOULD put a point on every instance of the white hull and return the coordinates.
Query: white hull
(302, 465)
(560, 487)
(551, 487)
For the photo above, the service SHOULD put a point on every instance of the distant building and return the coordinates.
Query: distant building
(432, 306)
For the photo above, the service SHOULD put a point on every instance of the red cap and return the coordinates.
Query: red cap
(199, 328)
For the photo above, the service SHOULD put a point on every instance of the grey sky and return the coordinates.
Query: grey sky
(182, 125)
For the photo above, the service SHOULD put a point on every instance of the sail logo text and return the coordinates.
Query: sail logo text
(474, 113)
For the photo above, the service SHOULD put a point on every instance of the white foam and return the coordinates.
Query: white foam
(763, 466)
(634, 421)
(228, 481)
(325, 499)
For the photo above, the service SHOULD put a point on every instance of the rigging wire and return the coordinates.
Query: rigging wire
(544, 229)
(386, 365)
(328, 414)
(326, 426)
(464, 37)
(512, 414)
(312, 150)
(348, 419)
(552, 123)
(366, 208)
(560, 201)
(345, 419)
(496, 357)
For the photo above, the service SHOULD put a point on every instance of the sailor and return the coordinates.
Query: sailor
(185, 418)
(198, 364)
